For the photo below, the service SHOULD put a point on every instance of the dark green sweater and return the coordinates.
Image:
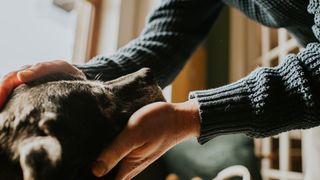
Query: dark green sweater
(266, 102)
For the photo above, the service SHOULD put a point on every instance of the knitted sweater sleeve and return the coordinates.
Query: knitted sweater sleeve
(172, 32)
(269, 100)
(314, 8)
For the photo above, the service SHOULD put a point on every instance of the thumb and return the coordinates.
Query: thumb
(9, 82)
(26, 75)
(45, 68)
(111, 156)
(36, 71)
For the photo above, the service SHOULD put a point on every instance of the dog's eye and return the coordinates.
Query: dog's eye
(47, 122)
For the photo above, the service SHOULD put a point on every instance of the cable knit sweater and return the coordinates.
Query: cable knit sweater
(266, 102)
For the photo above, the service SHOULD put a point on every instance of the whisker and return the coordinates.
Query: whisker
(98, 76)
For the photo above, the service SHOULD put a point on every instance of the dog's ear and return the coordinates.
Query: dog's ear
(40, 158)
(132, 92)
(139, 79)
(139, 86)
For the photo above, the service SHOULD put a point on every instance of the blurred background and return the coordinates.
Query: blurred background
(77, 30)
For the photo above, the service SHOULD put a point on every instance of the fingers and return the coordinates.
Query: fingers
(8, 83)
(111, 156)
(130, 168)
(45, 68)
(28, 73)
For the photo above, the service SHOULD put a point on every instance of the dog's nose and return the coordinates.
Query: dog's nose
(40, 157)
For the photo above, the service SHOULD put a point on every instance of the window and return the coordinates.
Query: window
(41, 30)
(74, 30)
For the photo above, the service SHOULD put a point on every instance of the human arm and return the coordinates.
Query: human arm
(270, 100)
(266, 102)
(288, 14)
(173, 31)
(171, 34)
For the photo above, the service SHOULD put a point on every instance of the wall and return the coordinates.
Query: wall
(33, 31)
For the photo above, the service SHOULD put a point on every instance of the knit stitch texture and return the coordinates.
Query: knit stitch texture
(266, 102)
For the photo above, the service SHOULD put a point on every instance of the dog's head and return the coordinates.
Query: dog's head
(54, 127)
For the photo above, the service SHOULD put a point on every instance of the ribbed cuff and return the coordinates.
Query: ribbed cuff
(314, 6)
(310, 58)
(316, 31)
(224, 110)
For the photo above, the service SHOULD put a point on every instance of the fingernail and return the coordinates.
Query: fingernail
(99, 169)
(26, 72)
(2, 99)
(23, 74)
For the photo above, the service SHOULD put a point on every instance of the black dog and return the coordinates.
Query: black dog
(54, 128)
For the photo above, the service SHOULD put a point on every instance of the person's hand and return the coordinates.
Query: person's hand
(150, 132)
(31, 72)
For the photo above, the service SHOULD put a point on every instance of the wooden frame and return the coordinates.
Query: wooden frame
(87, 11)
(87, 32)
(117, 22)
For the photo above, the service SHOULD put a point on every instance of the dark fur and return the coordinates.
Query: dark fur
(55, 127)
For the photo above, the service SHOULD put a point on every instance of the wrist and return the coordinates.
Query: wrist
(188, 115)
